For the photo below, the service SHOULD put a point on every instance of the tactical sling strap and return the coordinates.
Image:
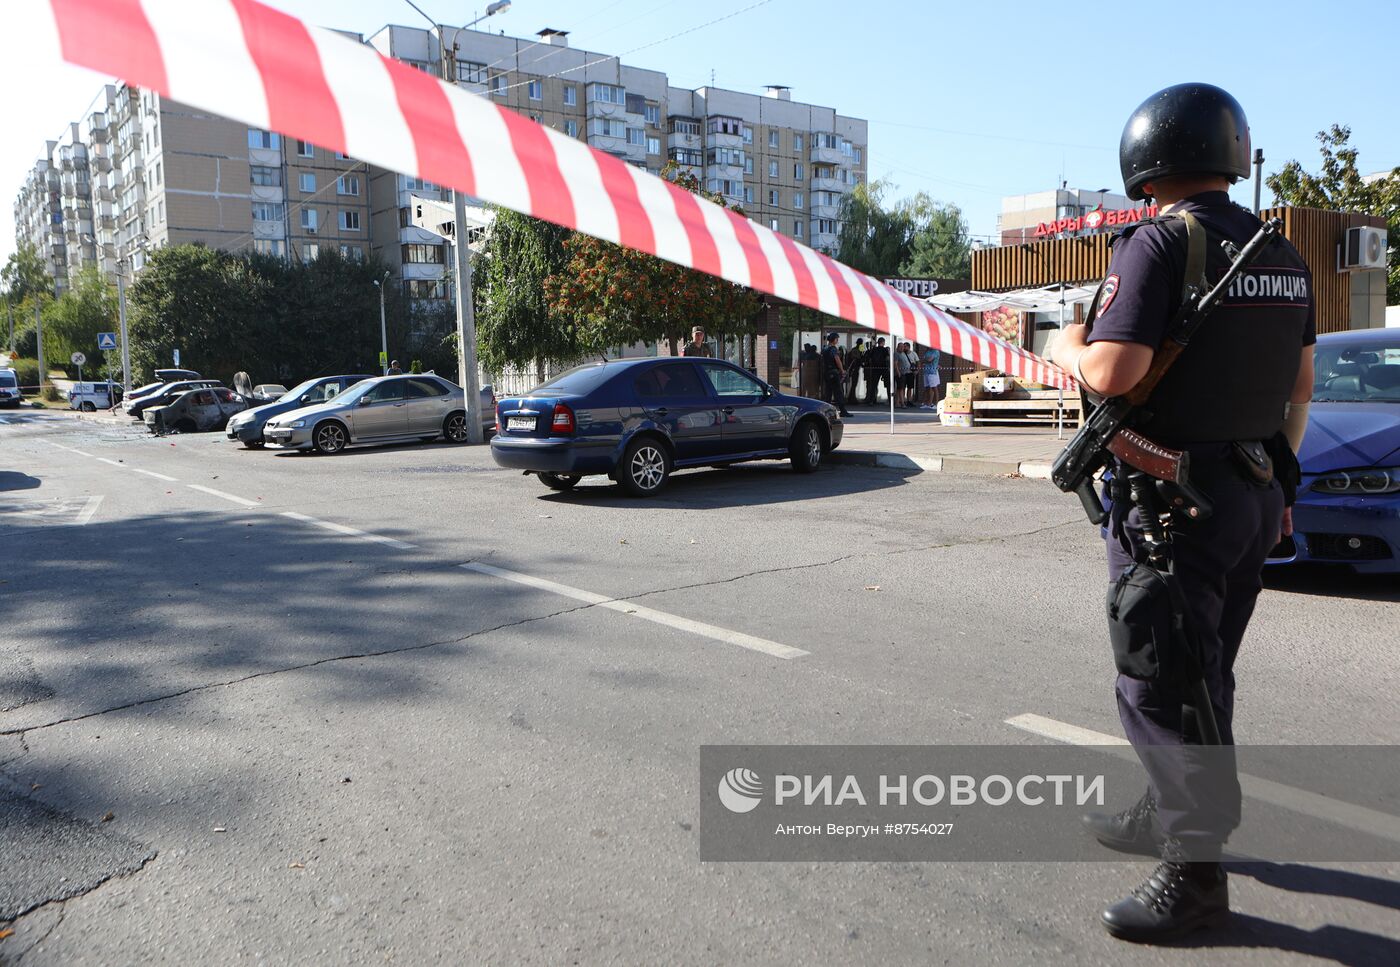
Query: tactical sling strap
(1194, 279)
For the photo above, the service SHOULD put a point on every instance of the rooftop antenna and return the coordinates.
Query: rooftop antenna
(712, 77)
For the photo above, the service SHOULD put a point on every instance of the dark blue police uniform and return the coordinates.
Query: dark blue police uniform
(1231, 384)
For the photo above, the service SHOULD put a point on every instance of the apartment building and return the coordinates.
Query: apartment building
(38, 214)
(786, 163)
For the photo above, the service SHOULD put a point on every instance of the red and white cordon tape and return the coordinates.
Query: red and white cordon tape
(249, 62)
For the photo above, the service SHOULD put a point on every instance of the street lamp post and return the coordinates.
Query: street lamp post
(467, 376)
(383, 332)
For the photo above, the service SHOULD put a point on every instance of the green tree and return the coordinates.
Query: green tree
(940, 247)
(614, 296)
(515, 324)
(1339, 186)
(24, 275)
(873, 239)
(73, 320)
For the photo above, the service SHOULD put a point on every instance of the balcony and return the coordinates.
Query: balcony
(829, 184)
(97, 128)
(102, 193)
(826, 156)
(825, 211)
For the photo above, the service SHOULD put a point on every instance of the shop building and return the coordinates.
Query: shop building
(1059, 212)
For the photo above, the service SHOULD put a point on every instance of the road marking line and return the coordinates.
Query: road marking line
(86, 513)
(1063, 731)
(349, 531)
(1369, 821)
(219, 493)
(713, 632)
(158, 476)
(115, 463)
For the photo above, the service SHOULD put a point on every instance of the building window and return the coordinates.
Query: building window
(305, 149)
(270, 246)
(847, 148)
(570, 95)
(748, 194)
(536, 90)
(686, 156)
(772, 139)
(772, 169)
(826, 226)
(797, 142)
(258, 138)
(423, 254)
(425, 288)
(748, 164)
(347, 185)
(470, 72)
(685, 126)
(797, 199)
(352, 252)
(411, 183)
(607, 93)
(307, 181)
(310, 251)
(653, 145)
(731, 157)
(858, 155)
(723, 125)
(571, 128)
(160, 211)
(498, 84)
(652, 113)
(349, 221)
(773, 197)
(160, 178)
(607, 128)
(636, 136)
(269, 211)
(265, 175)
(773, 224)
(308, 219)
(798, 171)
(796, 229)
(341, 156)
(746, 133)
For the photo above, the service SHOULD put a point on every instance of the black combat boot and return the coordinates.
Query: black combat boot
(1176, 899)
(1134, 830)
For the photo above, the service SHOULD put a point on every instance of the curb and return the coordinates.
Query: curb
(940, 464)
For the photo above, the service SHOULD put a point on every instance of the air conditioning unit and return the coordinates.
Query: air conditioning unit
(1364, 248)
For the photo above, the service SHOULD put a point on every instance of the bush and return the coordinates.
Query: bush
(416, 366)
(51, 394)
(27, 371)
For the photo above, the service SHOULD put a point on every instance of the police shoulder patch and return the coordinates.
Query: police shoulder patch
(1106, 294)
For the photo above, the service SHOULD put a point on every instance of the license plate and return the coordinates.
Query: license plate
(520, 423)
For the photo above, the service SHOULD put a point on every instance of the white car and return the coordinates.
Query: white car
(93, 396)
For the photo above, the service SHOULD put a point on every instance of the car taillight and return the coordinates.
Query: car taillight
(563, 419)
(498, 417)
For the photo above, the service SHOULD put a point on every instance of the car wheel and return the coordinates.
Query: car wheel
(186, 426)
(329, 437)
(805, 450)
(455, 428)
(560, 481)
(252, 444)
(87, 407)
(645, 467)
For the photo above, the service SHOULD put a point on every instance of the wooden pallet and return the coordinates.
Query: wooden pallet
(1028, 406)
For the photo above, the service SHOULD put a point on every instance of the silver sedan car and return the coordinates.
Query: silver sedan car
(386, 409)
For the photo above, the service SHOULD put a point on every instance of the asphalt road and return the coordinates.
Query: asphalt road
(294, 729)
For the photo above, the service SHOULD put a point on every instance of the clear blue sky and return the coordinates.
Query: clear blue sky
(967, 101)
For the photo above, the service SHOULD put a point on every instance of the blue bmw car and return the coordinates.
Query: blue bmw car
(637, 420)
(1348, 508)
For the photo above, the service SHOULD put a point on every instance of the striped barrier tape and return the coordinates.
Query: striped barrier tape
(249, 62)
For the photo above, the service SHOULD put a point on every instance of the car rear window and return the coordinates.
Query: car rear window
(673, 381)
(579, 380)
(7, 380)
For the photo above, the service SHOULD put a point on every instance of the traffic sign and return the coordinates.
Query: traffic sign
(78, 359)
(383, 360)
(106, 341)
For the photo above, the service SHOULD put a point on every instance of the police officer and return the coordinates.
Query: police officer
(1245, 379)
(834, 374)
(697, 345)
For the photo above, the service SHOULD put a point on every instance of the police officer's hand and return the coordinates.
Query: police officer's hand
(1072, 337)
(1287, 522)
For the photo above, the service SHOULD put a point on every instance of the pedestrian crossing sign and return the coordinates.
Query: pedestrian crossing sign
(106, 340)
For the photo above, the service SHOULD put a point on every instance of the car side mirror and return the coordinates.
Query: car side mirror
(364, 401)
(306, 398)
(768, 391)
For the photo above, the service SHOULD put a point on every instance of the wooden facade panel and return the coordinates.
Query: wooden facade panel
(1084, 260)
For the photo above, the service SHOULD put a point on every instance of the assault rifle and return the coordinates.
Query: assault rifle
(1105, 433)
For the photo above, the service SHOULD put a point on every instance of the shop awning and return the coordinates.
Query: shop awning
(1045, 299)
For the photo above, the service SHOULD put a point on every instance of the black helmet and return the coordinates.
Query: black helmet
(1185, 129)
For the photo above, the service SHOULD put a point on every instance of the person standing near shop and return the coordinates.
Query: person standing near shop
(929, 377)
(1244, 381)
(901, 374)
(877, 369)
(834, 374)
(855, 358)
(697, 345)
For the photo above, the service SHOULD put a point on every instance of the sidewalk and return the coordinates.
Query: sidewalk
(919, 441)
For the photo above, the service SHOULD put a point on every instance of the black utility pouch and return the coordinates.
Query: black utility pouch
(1254, 461)
(1148, 629)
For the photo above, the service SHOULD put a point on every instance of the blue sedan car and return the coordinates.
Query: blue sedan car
(1348, 508)
(637, 420)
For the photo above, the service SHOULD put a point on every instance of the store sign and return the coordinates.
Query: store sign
(1095, 220)
(914, 288)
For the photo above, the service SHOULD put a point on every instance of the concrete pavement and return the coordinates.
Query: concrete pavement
(342, 750)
